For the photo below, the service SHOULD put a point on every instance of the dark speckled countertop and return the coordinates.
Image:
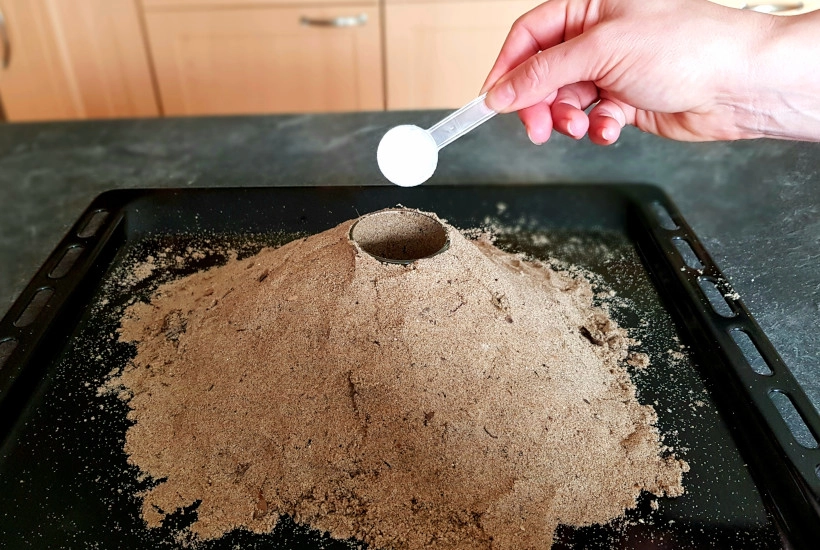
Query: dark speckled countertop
(755, 204)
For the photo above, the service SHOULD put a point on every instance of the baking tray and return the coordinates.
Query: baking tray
(724, 398)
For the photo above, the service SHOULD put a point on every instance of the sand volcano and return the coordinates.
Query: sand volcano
(469, 399)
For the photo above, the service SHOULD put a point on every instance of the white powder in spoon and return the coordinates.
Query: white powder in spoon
(407, 155)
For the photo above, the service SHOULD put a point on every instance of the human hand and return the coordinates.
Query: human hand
(683, 69)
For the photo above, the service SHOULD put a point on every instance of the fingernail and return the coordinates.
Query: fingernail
(533, 140)
(571, 128)
(500, 96)
(608, 134)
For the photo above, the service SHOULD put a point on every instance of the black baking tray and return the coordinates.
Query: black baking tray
(64, 478)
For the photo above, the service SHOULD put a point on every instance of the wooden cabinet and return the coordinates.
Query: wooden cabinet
(131, 58)
(439, 53)
(229, 4)
(77, 59)
(261, 59)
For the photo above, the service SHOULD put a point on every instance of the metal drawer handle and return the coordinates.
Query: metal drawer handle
(341, 21)
(773, 7)
(4, 38)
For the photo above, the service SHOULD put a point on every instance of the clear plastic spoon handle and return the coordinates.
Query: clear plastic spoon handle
(462, 121)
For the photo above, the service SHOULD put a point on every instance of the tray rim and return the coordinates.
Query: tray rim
(802, 466)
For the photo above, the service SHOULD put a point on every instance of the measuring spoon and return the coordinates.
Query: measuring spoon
(408, 155)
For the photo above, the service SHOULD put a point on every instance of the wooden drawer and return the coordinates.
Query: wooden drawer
(271, 59)
(237, 4)
(77, 59)
(438, 54)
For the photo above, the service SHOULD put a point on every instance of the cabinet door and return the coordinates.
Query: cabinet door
(78, 59)
(438, 54)
(268, 59)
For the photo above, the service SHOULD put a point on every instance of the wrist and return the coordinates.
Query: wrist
(782, 91)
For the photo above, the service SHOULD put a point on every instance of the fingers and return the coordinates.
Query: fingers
(538, 121)
(536, 30)
(544, 73)
(568, 116)
(564, 111)
(606, 120)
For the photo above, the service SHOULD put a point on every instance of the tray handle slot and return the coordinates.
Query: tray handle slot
(7, 347)
(91, 227)
(687, 253)
(750, 352)
(66, 262)
(663, 216)
(715, 296)
(35, 306)
(793, 418)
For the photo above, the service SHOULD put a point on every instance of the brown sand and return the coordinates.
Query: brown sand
(470, 400)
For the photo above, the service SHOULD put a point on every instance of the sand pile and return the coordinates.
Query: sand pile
(468, 400)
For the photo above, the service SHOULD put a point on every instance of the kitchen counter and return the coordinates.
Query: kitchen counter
(755, 204)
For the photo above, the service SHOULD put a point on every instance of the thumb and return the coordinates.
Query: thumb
(542, 74)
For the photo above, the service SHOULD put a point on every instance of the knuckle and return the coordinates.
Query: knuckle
(535, 72)
(615, 111)
(519, 26)
(569, 95)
